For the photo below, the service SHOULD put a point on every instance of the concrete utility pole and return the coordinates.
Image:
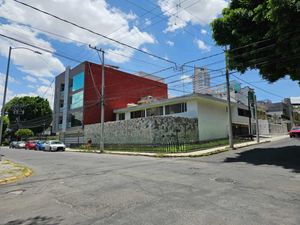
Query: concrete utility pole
(101, 143)
(230, 133)
(256, 120)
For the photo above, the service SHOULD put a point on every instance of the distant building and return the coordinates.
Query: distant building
(201, 80)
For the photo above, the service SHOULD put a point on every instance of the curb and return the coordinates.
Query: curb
(201, 153)
(26, 172)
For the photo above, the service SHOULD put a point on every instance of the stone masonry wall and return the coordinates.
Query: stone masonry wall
(150, 130)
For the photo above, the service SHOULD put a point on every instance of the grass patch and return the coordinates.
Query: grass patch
(163, 148)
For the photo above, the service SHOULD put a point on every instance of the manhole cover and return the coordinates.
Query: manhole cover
(224, 180)
(16, 192)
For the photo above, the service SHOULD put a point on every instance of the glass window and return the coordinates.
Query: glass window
(176, 108)
(156, 111)
(78, 81)
(243, 112)
(75, 119)
(137, 114)
(121, 116)
(77, 100)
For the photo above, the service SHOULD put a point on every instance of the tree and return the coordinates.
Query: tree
(263, 35)
(29, 112)
(24, 133)
(5, 125)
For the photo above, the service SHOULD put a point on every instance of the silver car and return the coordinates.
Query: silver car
(54, 145)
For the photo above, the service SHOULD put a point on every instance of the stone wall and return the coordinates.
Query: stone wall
(150, 130)
(278, 128)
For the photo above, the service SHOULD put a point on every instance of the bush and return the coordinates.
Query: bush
(24, 133)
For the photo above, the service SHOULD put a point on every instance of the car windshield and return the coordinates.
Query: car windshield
(56, 142)
(296, 128)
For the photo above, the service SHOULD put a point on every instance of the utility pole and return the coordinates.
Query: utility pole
(101, 143)
(250, 100)
(230, 133)
(256, 120)
(4, 95)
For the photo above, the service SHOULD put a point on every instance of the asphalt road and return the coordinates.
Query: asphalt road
(254, 185)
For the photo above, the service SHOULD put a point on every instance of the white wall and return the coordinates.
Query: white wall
(212, 120)
(239, 119)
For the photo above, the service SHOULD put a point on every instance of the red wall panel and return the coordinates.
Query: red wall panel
(120, 89)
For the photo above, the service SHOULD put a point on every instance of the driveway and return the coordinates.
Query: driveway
(254, 185)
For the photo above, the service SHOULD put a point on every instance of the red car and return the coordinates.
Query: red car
(295, 132)
(31, 145)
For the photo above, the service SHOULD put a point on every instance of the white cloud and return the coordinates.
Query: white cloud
(43, 65)
(202, 46)
(203, 31)
(200, 12)
(31, 86)
(46, 92)
(186, 79)
(96, 15)
(148, 22)
(30, 79)
(170, 43)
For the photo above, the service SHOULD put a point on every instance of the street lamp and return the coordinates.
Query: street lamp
(5, 87)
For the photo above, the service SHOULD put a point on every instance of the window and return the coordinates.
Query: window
(77, 100)
(75, 119)
(62, 87)
(243, 112)
(78, 81)
(137, 114)
(176, 108)
(121, 116)
(156, 111)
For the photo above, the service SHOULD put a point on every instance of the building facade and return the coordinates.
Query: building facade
(210, 112)
(78, 93)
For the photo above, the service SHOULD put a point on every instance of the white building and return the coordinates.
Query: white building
(211, 112)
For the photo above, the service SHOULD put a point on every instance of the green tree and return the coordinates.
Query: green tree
(263, 35)
(5, 125)
(29, 112)
(24, 133)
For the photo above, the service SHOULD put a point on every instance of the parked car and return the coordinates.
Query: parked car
(54, 145)
(20, 144)
(13, 144)
(295, 132)
(40, 145)
(30, 145)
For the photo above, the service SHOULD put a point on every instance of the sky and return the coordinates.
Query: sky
(177, 31)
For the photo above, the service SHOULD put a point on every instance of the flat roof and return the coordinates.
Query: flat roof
(171, 100)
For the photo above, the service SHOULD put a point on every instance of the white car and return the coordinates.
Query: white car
(54, 145)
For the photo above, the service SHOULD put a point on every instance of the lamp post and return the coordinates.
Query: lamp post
(5, 87)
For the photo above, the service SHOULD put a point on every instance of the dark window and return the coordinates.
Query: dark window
(75, 119)
(121, 116)
(156, 111)
(243, 112)
(137, 114)
(62, 87)
(177, 108)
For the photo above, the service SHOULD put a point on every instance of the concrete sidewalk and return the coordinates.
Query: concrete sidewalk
(10, 172)
(196, 153)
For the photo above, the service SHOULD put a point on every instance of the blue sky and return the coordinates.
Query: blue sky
(177, 30)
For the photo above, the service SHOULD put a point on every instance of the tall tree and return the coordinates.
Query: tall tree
(263, 35)
(29, 112)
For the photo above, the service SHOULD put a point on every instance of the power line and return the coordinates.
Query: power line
(93, 32)
(40, 48)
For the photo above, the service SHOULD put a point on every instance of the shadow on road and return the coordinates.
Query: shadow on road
(287, 157)
(38, 220)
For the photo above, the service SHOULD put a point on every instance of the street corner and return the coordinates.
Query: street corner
(12, 172)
